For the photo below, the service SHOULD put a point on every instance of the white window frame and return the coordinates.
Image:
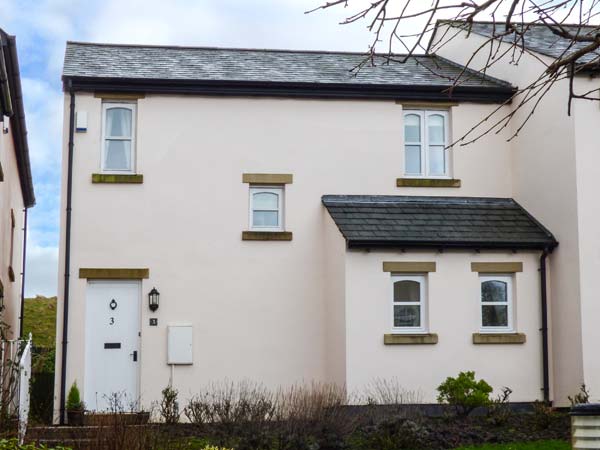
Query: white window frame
(280, 192)
(424, 143)
(508, 279)
(422, 280)
(133, 108)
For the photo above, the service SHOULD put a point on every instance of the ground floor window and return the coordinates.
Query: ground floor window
(496, 303)
(408, 300)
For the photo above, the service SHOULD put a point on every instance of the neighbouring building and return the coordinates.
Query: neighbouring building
(555, 166)
(16, 188)
(268, 215)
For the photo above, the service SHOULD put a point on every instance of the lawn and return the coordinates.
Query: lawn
(539, 445)
(40, 320)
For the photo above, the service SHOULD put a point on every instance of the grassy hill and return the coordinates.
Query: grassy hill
(40, 320)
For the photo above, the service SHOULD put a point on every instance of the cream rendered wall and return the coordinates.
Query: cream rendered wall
(587, 117)
(10, 198)
(453, 292)
(260, 310)
(545, 183)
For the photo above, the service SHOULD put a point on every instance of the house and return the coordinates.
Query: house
(555, 168)
(16, 188)
(269, 215)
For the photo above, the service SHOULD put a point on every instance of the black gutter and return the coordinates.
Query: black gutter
(22, 312)
(544, 329)
(5, 100)
(17, 122)
(488, 245)
(475, 94)
(65, 334)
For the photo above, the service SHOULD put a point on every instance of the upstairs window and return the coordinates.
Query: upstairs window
(266, 208)
(496, 303)
(118, 137)
(425, 142)
(408, 303)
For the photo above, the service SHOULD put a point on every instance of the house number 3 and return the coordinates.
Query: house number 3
(112, 321)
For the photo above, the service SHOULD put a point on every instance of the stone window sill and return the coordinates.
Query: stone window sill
(499, 338)
(410, 339)
(117, 178)
(266, 235)
(428, 182)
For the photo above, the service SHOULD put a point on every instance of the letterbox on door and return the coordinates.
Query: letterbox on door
(179, 344)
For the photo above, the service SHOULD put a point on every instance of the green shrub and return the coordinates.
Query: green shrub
(13, 444)
(169, 407)
(464, 393)
(74, 402)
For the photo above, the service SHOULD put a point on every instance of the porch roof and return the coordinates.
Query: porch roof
(441, 222)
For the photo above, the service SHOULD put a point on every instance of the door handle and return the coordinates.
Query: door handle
(134, 354)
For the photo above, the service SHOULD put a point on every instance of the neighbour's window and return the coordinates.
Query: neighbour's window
(408, 303)
(496, 303)
(266, 208)
(118, 137)
(425, 142)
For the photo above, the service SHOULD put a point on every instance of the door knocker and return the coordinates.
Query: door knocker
(113, 304)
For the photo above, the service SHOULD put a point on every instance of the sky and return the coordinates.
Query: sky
(42, 28)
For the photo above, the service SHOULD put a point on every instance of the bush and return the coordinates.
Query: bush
(464, 393)
(169, 407)
(393, 434)
(499, 411)
(13, 444)
(581, 398)
(74, 402)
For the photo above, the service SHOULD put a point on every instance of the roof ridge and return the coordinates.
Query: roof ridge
(245, 49)
(491, 22)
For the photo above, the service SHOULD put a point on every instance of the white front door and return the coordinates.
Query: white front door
(112, 344)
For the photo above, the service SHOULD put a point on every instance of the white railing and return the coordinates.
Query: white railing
(24, 380)
(15, 374)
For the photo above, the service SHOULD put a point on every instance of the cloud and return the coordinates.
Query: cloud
(41, 271)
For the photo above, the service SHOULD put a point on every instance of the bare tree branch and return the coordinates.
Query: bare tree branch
(409, 24)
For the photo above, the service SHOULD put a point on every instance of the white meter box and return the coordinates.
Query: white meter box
(179, 344)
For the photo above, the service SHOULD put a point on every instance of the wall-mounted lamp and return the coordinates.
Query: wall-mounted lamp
(153, 297)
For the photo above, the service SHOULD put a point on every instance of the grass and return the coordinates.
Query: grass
(539, 445)
(40, 320)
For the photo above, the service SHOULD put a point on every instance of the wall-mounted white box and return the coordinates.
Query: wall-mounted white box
(81, 122)
(179, 344)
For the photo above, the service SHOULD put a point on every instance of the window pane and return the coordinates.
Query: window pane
(493, 291)
(412, 128)
(494, 315)
(407, 291)
(407, 316)
(265, 218)
(266, 200)
(413, 159)
(437, 160)
(118, 122)
(118, 155)
(435, 125)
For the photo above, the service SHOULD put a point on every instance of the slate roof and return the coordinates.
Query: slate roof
(255, 65)
(540, 38)
(460, 222)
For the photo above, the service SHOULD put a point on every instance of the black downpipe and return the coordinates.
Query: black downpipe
(63, 367)
(22, 313)
(544, 329)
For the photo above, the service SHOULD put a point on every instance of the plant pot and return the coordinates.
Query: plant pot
(75, 418)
